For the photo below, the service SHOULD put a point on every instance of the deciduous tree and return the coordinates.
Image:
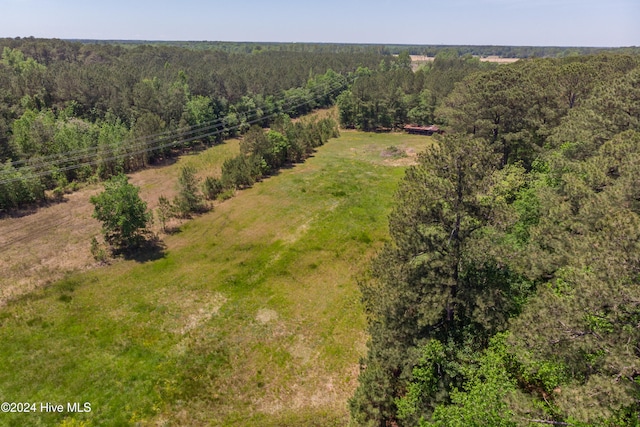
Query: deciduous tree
(123, 214)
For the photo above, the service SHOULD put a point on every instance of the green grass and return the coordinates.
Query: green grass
(252, 317)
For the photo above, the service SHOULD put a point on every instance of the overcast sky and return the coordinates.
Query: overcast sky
(469, 22)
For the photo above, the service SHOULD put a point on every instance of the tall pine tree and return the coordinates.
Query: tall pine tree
(423, 284)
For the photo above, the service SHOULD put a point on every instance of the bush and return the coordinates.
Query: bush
(165, 211)
(20, 187)
(227, 194)
(98, 251)
(237, 173)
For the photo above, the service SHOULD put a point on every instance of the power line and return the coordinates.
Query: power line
(146, 144)
(216, 123)
(156, 145)
(256, 120)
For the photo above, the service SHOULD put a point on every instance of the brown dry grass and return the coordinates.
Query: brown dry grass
(41, 246)
(498, 59)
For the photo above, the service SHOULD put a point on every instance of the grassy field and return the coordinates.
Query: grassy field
(251, 316)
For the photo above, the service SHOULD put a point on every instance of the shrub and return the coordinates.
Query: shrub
(165, 211)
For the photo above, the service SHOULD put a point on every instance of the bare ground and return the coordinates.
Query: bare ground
(41, 247)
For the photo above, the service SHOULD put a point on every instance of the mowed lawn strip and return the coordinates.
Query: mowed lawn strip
(252, 317)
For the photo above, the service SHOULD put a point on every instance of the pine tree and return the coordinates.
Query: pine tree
(189, 198)
(421, 286)
(583, 320)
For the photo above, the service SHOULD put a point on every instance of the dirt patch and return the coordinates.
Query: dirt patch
(399, 156)
(41, 247)
(422, 58)
(191, 309)
(329, 391)
(266, 315)
(418, 60)
(498, 59)
(301, 350)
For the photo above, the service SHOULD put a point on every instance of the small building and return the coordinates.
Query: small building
(422, 130)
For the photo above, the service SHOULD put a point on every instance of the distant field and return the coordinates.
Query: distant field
(417, 60)
(251, 317)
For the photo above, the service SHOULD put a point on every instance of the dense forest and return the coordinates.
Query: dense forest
(383, 49)
(387, 98)
(509, 292)
(72, 112)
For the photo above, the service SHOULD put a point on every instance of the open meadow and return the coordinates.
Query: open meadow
(250, 316)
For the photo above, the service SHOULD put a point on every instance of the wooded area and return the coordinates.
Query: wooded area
(509, 293)
(388, 97)
(382, 49)
(72, 112)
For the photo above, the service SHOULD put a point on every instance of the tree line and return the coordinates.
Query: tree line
(506, 51)
(72, 112)
(388, 97)
(509, 294)
(125, 217)
(383, 49)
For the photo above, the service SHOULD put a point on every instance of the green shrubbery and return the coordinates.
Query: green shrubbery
(264, 153)
(64, 114)
(123, 214)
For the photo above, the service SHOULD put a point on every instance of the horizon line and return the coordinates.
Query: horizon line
(111, 40)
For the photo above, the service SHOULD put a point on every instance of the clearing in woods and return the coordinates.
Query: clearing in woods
(418, 60)
(252, 315)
